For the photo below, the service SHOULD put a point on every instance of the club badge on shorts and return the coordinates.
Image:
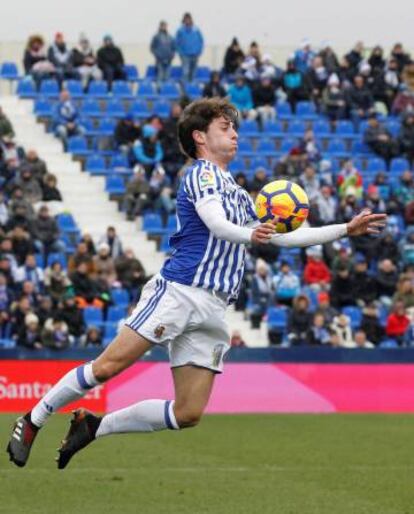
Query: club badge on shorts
(218, 355)
(158, 331)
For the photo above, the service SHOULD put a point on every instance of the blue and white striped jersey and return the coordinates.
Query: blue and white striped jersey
(198, 258)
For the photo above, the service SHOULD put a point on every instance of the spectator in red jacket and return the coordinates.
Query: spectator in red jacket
(316, 273)
(397, 322)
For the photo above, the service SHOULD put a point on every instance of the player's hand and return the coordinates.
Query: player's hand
(263, 233)
(366, 223)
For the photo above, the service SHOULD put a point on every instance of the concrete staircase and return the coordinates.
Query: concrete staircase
(85, 198)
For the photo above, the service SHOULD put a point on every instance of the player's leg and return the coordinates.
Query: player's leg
(127, 347)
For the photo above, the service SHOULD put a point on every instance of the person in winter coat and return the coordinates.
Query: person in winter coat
(293, 84)
(61, 58)
(318, 334)
(29, 334)
(333, 102)
(264, 98)
(286, 284)
(84, 62)
(406, 136)
(364, 286)
(299, 321)
(56, 281)
(386, 278)
(261, 292)
(127, 131)
(397, 322)
(130, 272)
(359, 100)
(316, 273)
(104, 265)
(112, 239)
(163, 49)
(35, 60)
(111, 61)
(148, 150)
(214, 88)
(240, 96)
(50, 191)
(405, 292)
(46, 233)
(189, 44)
(341, 327)
(341, 289)
(379, 139)
(233, 58)
(66, 118)
(72, 315)
(55, 334)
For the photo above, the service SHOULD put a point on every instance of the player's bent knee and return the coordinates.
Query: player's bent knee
(104, 371)
(188, 418)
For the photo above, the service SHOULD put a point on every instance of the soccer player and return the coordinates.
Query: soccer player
(183, 306)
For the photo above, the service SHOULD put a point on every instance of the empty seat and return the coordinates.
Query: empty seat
(151, 72)
(146, 90)
(106, 127)
(249, 128)
(170, 91)
(26, 88)
(296, 128)
(116, 313)
(277, 319)
(114, 185)
(284, 111)
(202, 74)
(322, 128)
(152, 223)
(115, 108)
(258, 162)
(120, 296)
(121, 89)
(78, 145)
(399, 164)
(95, 165)
(266, 147)
(337, 147)
(131, 72)
(307, 110)
(162, 108)
(376, 164)
(9, 71)
(287, 144)
(139, 109)
(354, 314)
(91, 108)
(345, 129)
(93, 316)
(273, 128)
(75, 88)
(43, 108)
(49, 87)
(245, 147)
(98, 88)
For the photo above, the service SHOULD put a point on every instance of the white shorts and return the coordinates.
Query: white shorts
(189, 320)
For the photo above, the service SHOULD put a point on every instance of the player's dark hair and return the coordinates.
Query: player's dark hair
(197, 116)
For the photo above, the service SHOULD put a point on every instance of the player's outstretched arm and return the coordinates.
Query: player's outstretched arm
(363, 223)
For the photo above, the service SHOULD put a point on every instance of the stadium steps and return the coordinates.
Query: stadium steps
(85, 198)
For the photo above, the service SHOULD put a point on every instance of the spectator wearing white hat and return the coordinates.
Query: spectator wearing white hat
(84, 61)
(333, 102)
(28, 334)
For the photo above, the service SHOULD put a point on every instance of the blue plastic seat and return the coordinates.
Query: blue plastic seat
(139, 109)
(7, 344)
(266, 147)
(245, 147)
(110, 332)
(277, 318)
(98, 89)
(151, 72)
(172, 223)
(360, 148)
(107, 127)
(49, 88)
(322, 128)
(249, 128)
(399, 164)
(121, 89)
(78, 145)
(259, 161)
(66, 222)
(131, 72)
(176, 72)
(202, 74)
(169, 90)
(75, 88)
(120, 297)
(93, 316)
(116, 313)
(115, 108)
(165, 244)
(119, 163)
(284, 111)
(43, 108)
(57, 257)
(296, 128)
(354, 314)
(394, 126)
(95, 165)
(337, 147)
(91, 108)
(114, 185)
(389, 343)
(26, 88)
(287, 144)
(193, 90)
(152, 223)
(162, 108)
(376, 164)
(345, 129)
(273, 129)
(146, 90)
(306, 110)
(237, 165)
(9, 71)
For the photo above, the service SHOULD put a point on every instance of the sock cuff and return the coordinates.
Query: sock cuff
(85, 376)
(169, 416)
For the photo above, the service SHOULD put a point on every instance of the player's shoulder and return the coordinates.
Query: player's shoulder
(202, 175)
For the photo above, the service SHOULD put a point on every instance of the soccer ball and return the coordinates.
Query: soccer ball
(285, 202)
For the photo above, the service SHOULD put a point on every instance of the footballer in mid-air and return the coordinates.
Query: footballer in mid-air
(183, 306)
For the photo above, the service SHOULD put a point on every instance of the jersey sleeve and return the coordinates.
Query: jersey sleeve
(252, 219)
(202, 183)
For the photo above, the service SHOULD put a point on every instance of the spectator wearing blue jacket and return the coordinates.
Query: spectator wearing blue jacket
(241, 97)
(304, 56)
(66, 118)
(189, 43)
(163, 49)
(148, 150)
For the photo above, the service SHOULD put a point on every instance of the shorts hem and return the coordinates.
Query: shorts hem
(194, 365)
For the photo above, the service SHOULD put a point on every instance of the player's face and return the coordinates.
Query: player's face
(221, 139)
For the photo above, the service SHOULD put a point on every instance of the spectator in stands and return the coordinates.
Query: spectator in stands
(407, 247)
(241, 97)
(50, 191)
(61, 58)
(112, 239)
(137, 195)
(404, 101)
(299, 321)
(6, 128)
(233, 58)
(364, 286)
(21, 242)
(387, 248)
(111, 61)
(341, 289)
(261, 292)
(37, 165)
(4, 211)
(405, 292)
(173, 158)
(84, 62)
(406, 136)
(10, 151)
(66, 118)
(397, 323)
(163, 49)
(318, 333)
(402, 58)
(29, 333)
(387, 277)
(316, 273)
(286, 284)
(360, 102)
(361, 340)
(72, 315)
(127, 131)
(325, 308)
(264, 98)
(333, 103)
(329, 58)
(87, 239)
(317, 78)
(87, 291)
(373, 200)
(46, 233)
(214, 88)
(349, 176)
(293, 84)
(148, 150)
(260, 179)
(304, 56)
(6, 299)
(370, 323)
(82, 254)
(6, 270)
(236, 340)
(19, 309)
(104, 266)
(35, 60)
(310, 182)
(379, 139)
(55, 334)
(29, 186)
(327, 205)
(189, 43)
(92, 338)
(341, 327)
(130, 273)
(356, 55)
(56, 281)
(30, 271)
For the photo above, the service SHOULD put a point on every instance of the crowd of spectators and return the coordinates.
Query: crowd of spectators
(43, 290)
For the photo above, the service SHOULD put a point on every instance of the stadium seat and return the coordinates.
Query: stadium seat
(139, 109)
(394, 126)
(9, 71)
(273, 129)
(98, 89)
(245, 147)
(266, 147)
(152, 223)
(237, 165)
(43, 108)
(389, 343)
(75, 88)
(176, 73)
(114, 185)
(172, 223)
(119, 163)
(116, 313)
(249, 128)
(375, 164)
(106, 127)
(115, 108)
(78, 146)
(151, 72)
(259, 161)
(345, 129)
(284, 111)
(360, 148)
(57, 257)
(131, 71)
(277, 318)
(202, 74)
(110, 332)
(399, 164)
(193, 90)
(169, 91)
(287, 144)
(322, 128)
(296, 128)
(306, 110)
(121, 89)
(354, 314)
(162, 108)
(66, 222)
(91, 108)
(93, 316)
(146, 90)
(49, 88)
(165, 244)
(95, 165)
(337, 148)
(7, 344)
(120, 297)
(26, 88)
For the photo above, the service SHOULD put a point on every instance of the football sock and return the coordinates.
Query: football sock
(145, 416)
(74, 385)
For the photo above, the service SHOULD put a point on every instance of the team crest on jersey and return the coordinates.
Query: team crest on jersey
(159, 330)
(206, 179)
(218, 355)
